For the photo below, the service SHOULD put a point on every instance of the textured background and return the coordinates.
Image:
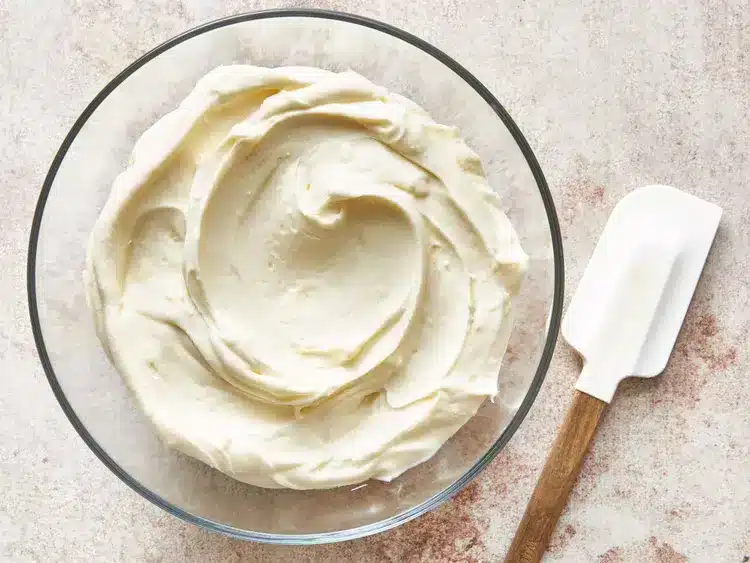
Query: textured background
(610, 95)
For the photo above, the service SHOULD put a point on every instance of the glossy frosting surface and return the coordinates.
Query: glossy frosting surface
(305, 281)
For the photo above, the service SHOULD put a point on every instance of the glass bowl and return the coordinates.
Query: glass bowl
(93, 395)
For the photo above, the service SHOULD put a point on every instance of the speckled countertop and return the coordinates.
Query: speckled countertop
(611, 95)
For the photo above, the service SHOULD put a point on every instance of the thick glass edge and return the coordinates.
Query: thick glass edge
(552, 332)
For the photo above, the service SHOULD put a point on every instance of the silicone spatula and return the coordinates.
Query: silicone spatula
(623, 320)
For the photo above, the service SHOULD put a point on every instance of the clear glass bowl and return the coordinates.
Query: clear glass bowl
(93, 395)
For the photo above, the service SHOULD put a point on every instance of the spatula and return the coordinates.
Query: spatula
(623, 320)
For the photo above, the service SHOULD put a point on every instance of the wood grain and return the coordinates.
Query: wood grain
(557, 479)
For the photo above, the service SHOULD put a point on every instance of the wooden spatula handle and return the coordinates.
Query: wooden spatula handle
(557, 479)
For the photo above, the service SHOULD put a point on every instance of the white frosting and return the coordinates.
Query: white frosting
(303, 278)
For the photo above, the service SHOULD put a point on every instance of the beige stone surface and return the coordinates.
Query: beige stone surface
(611, 95)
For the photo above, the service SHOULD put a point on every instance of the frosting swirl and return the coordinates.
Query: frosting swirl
(304, 279)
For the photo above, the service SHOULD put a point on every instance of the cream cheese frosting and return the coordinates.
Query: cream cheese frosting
(305, 281)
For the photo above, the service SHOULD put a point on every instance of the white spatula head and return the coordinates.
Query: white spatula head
(630, 303)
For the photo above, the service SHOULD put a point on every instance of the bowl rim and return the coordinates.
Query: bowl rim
(553, 322)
